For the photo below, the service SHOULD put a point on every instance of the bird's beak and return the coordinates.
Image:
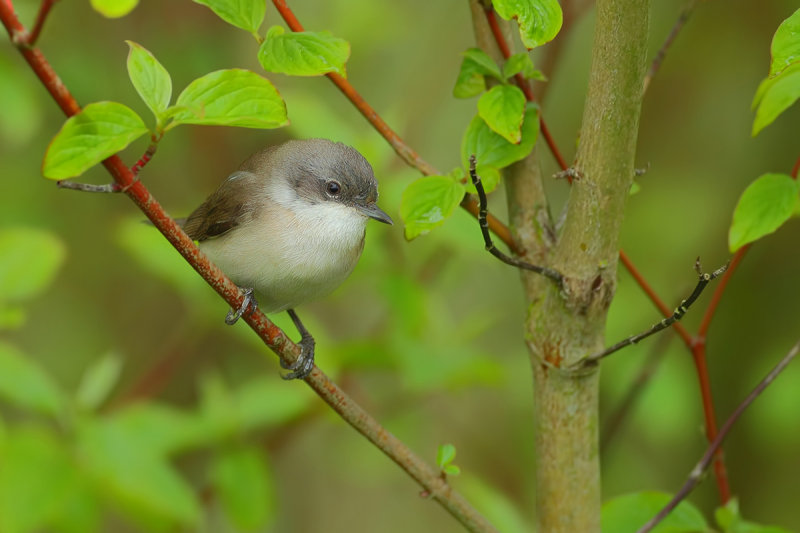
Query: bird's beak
(373, 211)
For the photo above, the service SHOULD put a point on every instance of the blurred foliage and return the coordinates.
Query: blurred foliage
(127, 405)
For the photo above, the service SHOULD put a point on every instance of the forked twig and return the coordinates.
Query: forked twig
(697, 472)
(487, 237)
(705, 279)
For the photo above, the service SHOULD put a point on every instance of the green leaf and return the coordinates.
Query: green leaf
(234, 97)
(451, 470)
(114, 8)
(785, 48)
(519, 63)
(730, 520)
(445, 455)
(303, 53)
(244, 14)
(482, 63)
(136, 476)
(150, 79)
(775, 95)
(99, 131)
(539, 20)
(245, 487)
(29, 260)
(428, 202)
(36, 481)
(503, 108)
(98, 380)
(626, 514)
(764, 206)
(470, 81)
(491, 149)
(25, 384)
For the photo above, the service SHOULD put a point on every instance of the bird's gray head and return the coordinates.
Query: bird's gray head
(319, 172)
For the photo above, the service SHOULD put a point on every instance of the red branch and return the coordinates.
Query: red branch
(526, 88)
(273, 337)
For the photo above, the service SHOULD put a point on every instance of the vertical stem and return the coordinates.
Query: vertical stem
(563, 327)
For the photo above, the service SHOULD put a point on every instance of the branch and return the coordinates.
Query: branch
(427, 476)
(487, 237)
(677, 314)
(686, 12)
(697, 472)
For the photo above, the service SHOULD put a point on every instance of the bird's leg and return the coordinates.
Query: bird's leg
(249, 303)
(305, 362)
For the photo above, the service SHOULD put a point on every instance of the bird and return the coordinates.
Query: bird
(288, 227)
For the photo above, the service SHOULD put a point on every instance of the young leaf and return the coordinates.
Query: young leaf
(114, 8)
(626, 514)
(29, 260)
(730, 520)
(775, 95)
(764, 206)
(470, 81)
(244, 485)
(519, 63)
(492, 150)
(785, 48)
(150, 79)
(24, 383)
(539, 20)
(482, 63)
(98, 380)
(428, 202)
(503, 107)
(232, 97)
(303, 53)
(99, 131)
(451, 470)
(445, 455)
(244, 14)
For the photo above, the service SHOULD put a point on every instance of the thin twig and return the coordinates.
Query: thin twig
(657, 301)
(41, 16)
(88, 187)
(487, 237)
(697, 472)
(427, 476)
(677, 314)
(686, 12)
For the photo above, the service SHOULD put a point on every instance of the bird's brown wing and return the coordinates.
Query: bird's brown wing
(223, 210)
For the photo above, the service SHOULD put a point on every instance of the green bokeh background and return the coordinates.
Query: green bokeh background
(426, 335)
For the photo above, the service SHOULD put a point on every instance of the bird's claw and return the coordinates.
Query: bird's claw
(304, 364)
(249, 303)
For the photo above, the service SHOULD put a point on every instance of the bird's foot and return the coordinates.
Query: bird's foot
(304, 364)
(249, 304)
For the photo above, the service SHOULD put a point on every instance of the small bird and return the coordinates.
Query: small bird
(289, 224)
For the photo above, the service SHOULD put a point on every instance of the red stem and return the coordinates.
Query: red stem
(523, 84)
(41, 16)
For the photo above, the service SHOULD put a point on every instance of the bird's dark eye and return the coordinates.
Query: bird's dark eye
(333, 188)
